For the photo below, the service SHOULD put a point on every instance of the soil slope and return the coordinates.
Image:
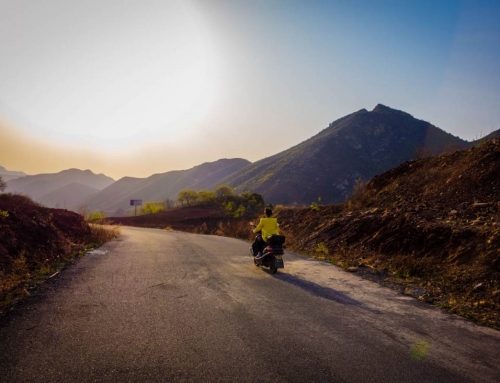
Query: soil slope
(31, 239)
(430, 226)
(200, 218)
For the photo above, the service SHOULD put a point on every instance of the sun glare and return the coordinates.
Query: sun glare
(121, 80)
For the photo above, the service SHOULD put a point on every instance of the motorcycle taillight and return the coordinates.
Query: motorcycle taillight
(269, 248)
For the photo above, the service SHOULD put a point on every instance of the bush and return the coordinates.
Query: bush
(358, 196)
(100, 234)
(153, 207)
(96, 216)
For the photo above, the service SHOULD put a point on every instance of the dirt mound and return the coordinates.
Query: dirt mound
(200, 219)
(37, 234)
(430, 226)
(449, 181)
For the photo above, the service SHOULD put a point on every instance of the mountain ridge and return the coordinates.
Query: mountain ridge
(359, 145)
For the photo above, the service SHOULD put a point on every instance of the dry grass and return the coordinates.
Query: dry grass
(358, 197)
(100, 234)
(235, 229)
(16, 283)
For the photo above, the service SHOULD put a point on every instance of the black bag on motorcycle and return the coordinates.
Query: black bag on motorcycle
(276, 240)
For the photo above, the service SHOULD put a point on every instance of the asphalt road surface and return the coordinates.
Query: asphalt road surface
(163, 306)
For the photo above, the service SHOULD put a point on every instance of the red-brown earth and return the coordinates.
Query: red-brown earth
(32, 240)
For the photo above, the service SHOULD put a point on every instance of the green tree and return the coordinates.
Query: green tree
(206, 196)
(223, 192)
(188, 196)
(153, 207)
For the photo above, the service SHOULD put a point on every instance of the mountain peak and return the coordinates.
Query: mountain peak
(380, 108)
(383, 108)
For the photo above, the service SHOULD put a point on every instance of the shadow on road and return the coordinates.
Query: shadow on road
(323, 292)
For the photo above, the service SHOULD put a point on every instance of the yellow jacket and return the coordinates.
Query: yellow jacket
(269, 226)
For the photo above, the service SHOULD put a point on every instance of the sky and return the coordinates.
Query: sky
(133, 88)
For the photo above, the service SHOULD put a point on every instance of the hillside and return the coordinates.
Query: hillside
(161, 186)
(45, 186)
(359, 145)
(32, 239)
(430, 226)
(67, 196)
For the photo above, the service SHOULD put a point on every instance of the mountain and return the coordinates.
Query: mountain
(359, 145)
(161, 186)
(41, 185)
(10, 175)
(429, 226)
(67, 196)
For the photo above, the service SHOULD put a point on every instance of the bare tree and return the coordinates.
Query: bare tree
(3, 184)
(169, 204)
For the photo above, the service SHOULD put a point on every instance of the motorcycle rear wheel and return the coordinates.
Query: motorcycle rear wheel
(272, 266)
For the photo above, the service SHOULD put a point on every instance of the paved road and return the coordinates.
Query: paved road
(160, 306)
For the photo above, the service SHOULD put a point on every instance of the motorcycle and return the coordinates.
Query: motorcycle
(272, 256)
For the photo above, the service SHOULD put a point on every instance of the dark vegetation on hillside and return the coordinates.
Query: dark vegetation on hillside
(36, 241)
(432, 226)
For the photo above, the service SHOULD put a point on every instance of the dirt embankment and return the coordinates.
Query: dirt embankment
(189, 218)
(32, 238)
(430, 227)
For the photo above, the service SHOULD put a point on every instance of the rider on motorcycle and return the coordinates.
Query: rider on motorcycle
(267, 226)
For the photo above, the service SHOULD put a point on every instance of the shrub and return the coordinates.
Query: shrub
(100, 234)
(153, 207)
(358, 196)
(96, 216)
(316, 205)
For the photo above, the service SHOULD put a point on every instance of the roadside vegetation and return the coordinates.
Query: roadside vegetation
(218, 212)
(36, 243)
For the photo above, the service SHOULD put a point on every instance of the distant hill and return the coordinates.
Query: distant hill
(359, 145)
(161, 186)
(9, 175)
(46, 186)
(67, 196)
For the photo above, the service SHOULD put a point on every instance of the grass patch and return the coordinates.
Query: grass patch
(100, 234)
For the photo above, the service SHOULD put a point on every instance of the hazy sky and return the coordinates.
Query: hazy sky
(141, 87)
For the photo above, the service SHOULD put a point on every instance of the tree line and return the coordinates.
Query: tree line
(234, 205)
